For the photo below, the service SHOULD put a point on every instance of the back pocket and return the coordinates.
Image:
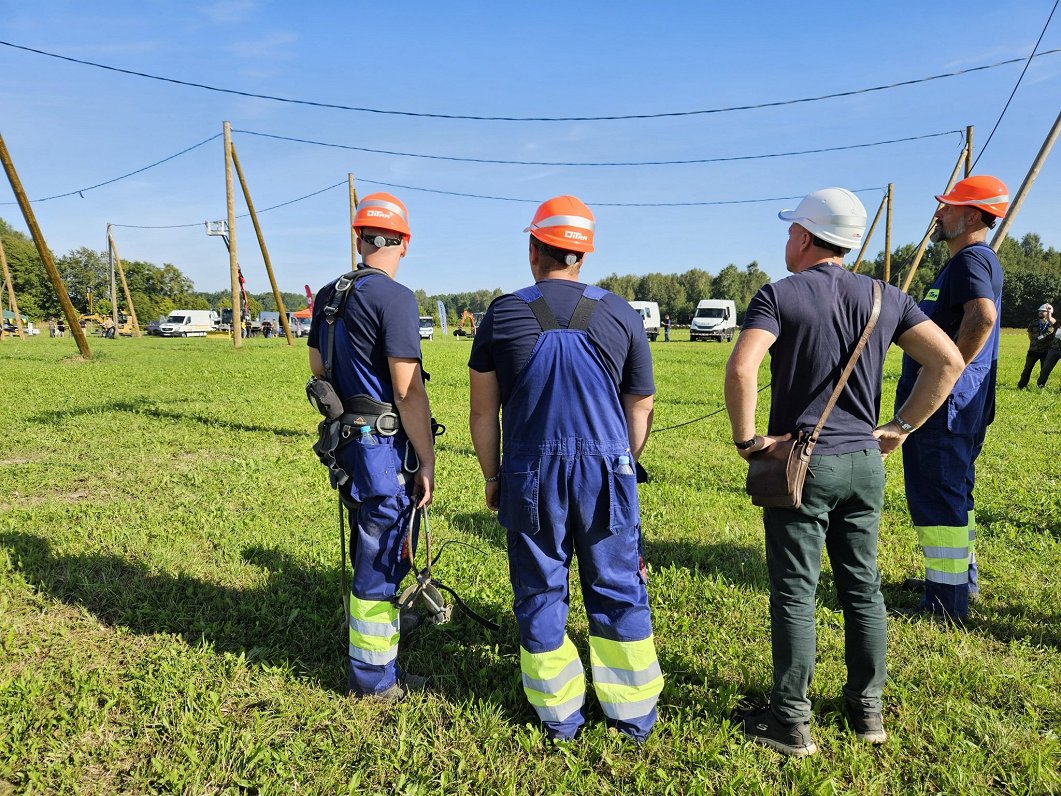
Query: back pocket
(518, 502)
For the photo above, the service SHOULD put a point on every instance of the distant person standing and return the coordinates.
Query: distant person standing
(1040, 336)
(52, 328)
(1052, 355)
(939, 461)
(666, 328)
(60, 329)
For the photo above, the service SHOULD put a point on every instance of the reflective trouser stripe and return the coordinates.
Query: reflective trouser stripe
(553, 681)
(946, 549)
(626, 676)
(373, 631)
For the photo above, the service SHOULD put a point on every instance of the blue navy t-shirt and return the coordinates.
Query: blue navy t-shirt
(818, 316)
(382, 320)
(505, 339)
(973, 273)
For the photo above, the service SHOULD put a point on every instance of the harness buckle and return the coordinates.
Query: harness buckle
(387, 432)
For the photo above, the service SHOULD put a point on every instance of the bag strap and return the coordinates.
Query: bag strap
(872, 322)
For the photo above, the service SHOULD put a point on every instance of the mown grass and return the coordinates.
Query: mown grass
(170, 617)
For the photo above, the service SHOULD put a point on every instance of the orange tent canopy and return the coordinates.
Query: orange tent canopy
(305, 314)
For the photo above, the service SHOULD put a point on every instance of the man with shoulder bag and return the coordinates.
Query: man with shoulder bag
(828, 331)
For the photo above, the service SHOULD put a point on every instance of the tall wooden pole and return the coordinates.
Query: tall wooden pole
(11, 292)
(114, 288)
(45, 254)
(1029, 180)
(261, 243)
(923, 246)
(233, 264)
(353, 214)
(888, 236)
(968, 151)
(869, 235)
(113, 248)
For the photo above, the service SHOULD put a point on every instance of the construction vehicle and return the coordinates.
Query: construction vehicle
(125, 323)
(472, 319)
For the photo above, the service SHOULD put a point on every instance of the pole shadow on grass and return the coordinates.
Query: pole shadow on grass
(145, 406)
(294, 620)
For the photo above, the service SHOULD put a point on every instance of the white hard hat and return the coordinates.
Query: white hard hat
(833, 214)
(1046, 307)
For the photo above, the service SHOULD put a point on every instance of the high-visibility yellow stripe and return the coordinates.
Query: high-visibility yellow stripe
(373, 624)
(558, 671)
(943, 535)
(630, 655)
(953, 565)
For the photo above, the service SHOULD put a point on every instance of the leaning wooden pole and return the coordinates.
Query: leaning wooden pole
(888, 235)
(923, 246)
(261, 243)
(125, 286)
(353, 214)
(869, 235)
(233, 264)
(45, 254)
(968, 150)
(11, 292)
(1029, 180)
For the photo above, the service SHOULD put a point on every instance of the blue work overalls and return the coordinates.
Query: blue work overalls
(564, 490)
(379, 498)
(939, 471)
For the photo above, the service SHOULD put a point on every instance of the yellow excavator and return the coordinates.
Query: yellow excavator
(124, 328)
(470, 319)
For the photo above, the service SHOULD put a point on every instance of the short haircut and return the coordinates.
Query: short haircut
(840, 251)
(552, 257)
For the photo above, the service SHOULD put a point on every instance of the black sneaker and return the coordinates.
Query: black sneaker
(867, 727)
(763, 728)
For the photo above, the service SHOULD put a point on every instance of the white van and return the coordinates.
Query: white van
(649, 312)
(427, 327)
(188, 323)
(714, 319)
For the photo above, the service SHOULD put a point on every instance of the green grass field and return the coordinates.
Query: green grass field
(170, 618)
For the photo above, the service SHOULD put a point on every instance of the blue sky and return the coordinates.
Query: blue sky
(70, 126)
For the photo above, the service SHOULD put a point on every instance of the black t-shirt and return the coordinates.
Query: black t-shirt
(818, 316)
(505, 339)
(382, 320)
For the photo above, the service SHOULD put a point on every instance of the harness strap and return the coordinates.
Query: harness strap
(585, 307)
(545, 316)
(335, 308)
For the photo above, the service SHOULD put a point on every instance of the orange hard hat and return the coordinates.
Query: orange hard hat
(564, 222)
(383, 211)
(983, 191)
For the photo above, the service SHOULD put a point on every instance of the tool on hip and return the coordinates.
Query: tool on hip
(426, 591)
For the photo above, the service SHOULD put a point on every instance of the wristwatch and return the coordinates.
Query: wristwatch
(743, 446)
(903, 424)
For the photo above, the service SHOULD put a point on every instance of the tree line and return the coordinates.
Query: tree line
(1032, 276)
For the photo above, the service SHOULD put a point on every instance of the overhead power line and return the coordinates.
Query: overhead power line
(1016, 86)
(424, 114)
(80, 191)
(689, 161)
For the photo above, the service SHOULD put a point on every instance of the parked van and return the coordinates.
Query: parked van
(714, 319)
(649, 312)
(188, 323)
(427, 327)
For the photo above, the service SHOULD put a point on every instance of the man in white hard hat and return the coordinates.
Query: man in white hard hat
(810, 323)
(1040, 336)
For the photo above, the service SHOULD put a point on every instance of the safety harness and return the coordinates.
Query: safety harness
(341, 421)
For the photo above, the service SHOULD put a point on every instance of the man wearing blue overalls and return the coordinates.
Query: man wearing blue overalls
(939, 460)
(372, 359)
(571, 367)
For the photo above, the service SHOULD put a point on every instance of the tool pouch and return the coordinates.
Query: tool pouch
(323, 397)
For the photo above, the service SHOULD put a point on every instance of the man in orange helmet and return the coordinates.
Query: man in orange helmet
(364, 342)
(571, 366)
(939, 460)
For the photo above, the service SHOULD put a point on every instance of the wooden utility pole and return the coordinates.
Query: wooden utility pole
(10, 292)
(865, 242)
(261, 243)
(353, 214)
(113, 249)
(1029, 180)
(968, 151)
(114, 288)
(233, 264)
(923, 246)
(888, 236)
(45, 253)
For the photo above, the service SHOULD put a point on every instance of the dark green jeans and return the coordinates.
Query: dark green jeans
(841, 512)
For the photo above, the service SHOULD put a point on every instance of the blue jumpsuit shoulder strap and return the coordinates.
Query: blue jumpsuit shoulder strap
(335, 308)
(536, 301)
(587, 303)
